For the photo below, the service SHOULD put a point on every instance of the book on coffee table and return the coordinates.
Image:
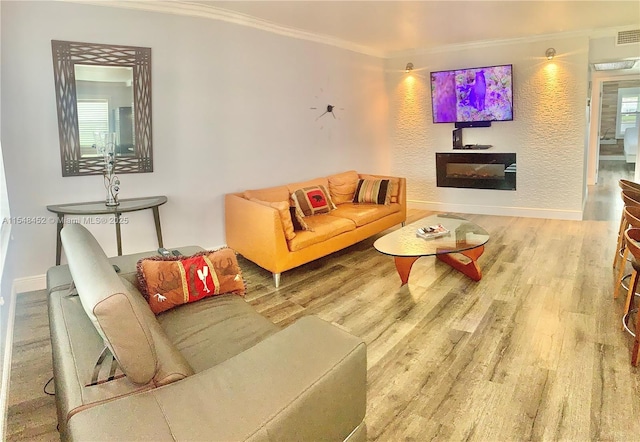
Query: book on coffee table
(434, 231)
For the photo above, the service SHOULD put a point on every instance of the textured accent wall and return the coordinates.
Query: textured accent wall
(547, 134)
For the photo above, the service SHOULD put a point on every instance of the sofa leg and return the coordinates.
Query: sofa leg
(276, 279)
(403, 223)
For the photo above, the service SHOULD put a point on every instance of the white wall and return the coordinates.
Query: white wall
(231, 111)
(547, 133)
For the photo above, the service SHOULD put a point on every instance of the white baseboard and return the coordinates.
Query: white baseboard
(30, 283)
(524, 212)
(6, 362)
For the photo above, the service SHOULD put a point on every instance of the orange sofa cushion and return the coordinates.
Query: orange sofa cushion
(342, 186)
(362, 214)
(322, 228)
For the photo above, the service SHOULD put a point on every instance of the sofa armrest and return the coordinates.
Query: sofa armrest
(255, 231)
(306, 382)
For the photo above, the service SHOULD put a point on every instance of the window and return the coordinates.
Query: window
(93, 116)
(628, 109)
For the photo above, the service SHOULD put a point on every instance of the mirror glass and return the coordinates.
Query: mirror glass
(105, 104)
(103, 89)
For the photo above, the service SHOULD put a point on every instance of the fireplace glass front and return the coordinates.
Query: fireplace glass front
(476, 170)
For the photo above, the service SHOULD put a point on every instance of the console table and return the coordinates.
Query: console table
(99, 208)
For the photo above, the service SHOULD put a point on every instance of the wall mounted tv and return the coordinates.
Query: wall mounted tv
(472, 95)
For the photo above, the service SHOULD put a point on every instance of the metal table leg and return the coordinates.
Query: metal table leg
(59, 226)
(156, 219)
(118, 235)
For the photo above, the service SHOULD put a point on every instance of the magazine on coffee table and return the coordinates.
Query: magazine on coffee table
(434, 231)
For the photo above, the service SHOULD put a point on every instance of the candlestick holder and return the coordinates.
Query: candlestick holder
(106, 145)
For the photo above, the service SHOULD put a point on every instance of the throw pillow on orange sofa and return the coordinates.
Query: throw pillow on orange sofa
(313, 200)
(167, 282)
(373, 192)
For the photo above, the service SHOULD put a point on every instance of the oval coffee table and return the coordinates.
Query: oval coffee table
(460, 248)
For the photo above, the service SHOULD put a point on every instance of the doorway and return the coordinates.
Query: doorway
(605, 141)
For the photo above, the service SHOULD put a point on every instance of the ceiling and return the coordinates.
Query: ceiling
(390, 27)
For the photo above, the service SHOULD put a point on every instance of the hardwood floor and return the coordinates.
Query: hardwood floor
(534, 351)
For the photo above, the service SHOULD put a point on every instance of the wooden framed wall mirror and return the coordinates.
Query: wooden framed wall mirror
(103, 88)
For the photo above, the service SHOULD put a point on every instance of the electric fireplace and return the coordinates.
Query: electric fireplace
(476, 170)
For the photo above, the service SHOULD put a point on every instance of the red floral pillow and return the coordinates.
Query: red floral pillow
(313, 200)
(168, 282)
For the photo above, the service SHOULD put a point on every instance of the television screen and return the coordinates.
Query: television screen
(475, 94)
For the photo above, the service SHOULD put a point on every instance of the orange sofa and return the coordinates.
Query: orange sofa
(256, 230)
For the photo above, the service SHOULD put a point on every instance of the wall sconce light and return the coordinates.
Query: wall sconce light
(550, 53)
(409, 67)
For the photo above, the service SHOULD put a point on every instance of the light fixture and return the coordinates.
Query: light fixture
(409, 67)
(614, 65)
(550, 53)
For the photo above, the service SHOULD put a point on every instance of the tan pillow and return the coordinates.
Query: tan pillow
(285, 216)
(342, 186)
(168, 282)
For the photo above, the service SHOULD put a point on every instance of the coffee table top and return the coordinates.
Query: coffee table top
(463, 235)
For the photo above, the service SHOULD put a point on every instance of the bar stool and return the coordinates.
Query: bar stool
(629, 185)
(631, 215)
(632, 238)
(629, 198)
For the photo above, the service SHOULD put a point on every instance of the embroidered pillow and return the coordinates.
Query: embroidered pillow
(168, 282)
(373, 191)
(285, 216)
(313, 200)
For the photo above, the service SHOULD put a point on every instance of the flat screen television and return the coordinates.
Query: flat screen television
(474, 94)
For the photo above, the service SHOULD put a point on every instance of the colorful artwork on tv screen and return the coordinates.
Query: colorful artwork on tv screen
(477, 94)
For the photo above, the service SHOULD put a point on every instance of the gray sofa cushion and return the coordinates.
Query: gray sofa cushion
(214, 329)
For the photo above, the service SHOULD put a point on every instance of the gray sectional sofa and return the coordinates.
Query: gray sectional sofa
(210, 370)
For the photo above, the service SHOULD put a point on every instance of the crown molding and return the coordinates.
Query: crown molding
(585, 33)
(191, 9)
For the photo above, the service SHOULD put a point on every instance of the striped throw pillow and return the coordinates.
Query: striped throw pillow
(373, 192)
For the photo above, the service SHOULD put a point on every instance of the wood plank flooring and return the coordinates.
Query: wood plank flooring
(533, 351)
